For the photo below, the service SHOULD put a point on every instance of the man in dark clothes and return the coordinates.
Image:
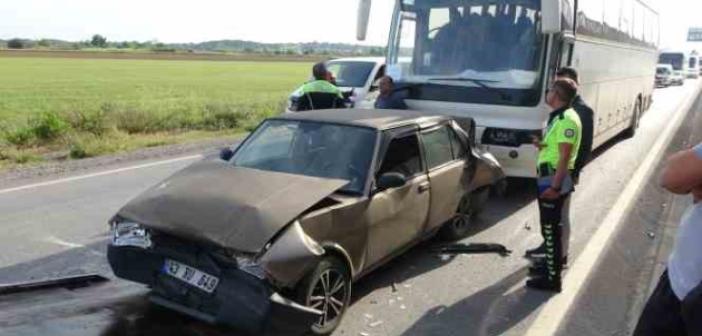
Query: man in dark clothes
(388, 98)
(586, 118)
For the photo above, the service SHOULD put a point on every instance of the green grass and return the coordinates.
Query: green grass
(55, 103)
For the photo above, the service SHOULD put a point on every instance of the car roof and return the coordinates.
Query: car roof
(371, 118)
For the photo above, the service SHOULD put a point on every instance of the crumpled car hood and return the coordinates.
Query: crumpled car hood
(231, 207)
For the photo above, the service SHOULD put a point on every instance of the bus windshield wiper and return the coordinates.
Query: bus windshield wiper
(478, 82)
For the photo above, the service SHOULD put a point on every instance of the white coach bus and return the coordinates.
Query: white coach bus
(493, 59)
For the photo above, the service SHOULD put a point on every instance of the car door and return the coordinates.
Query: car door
(445, 158)
(398, 215)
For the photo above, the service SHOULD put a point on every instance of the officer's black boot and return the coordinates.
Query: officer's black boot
(543, 282)
(551, 279)
(538, 266)
(536, 252)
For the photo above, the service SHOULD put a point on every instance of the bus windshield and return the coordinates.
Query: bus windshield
(674, 59)
(472, 43)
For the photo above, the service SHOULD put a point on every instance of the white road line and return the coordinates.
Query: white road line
(57, 241)
(103, 173)
(550, 317)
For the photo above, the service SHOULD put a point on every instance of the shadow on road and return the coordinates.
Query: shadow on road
(489, 312)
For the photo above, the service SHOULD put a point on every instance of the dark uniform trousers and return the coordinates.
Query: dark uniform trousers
(666, 315)
(555, 228)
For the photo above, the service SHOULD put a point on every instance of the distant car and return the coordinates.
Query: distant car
(355, 76)
(677, 78)
(664, 75)
(306, 204)
(693, 68)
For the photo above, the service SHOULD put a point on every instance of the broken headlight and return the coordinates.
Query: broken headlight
(249, 264)
(130, 234)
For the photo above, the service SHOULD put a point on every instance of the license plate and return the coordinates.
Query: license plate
(191, 275)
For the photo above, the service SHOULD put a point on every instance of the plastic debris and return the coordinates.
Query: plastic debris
(363, 333)
(651, 235)
(407, 285)
(375, 324)
(368, 316)
(403, 307)
(474, 248)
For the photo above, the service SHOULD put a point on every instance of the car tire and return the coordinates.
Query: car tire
(468, 208)
(635, 119)
(327, 287)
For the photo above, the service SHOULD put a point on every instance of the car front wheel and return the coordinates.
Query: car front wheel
(470, 205)
(327, 289)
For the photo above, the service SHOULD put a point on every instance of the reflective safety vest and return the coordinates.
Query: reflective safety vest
(320, 86)
(564, 128)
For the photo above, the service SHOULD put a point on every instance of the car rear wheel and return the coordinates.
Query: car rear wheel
(469, 206)
(328, 289)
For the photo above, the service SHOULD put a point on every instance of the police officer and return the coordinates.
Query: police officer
(586, 118)
(557, 156)
(322, 84)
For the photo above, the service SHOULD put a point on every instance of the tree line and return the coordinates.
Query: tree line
(98, 41)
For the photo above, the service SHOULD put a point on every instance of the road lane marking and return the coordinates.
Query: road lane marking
(57, 241)
(550, 317)
(103, 173)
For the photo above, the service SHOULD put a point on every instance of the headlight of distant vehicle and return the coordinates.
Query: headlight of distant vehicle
(130, 234)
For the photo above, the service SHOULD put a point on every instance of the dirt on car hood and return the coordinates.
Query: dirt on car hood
(231, 207)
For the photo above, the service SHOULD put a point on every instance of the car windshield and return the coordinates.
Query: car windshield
(350, 73)
(312, 149)
(497, 42)
(662, 71)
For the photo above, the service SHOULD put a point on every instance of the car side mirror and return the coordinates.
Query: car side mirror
(374, 88)
(226, 154)
(391, 180)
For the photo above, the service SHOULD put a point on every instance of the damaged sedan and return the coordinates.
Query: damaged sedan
(283, 224)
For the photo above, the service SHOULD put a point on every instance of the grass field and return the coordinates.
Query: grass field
(50, 104)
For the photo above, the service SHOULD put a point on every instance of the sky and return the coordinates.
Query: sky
(259, 20)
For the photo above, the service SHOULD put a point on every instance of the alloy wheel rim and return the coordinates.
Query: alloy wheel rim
(462, 219)
(328, 296)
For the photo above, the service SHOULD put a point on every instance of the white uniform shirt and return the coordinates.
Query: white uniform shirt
(685, 263)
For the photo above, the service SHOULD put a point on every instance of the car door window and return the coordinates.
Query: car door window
(437, 147)
(402, 157)
(457, 146)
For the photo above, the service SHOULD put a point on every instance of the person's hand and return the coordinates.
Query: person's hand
(536, 141)
(550, 194)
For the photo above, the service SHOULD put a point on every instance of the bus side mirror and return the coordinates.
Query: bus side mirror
(551, 16)
(364, 7)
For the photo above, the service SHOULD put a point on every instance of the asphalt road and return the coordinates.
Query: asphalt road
(58, 229)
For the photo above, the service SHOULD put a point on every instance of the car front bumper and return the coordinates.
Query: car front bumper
(240, 301)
